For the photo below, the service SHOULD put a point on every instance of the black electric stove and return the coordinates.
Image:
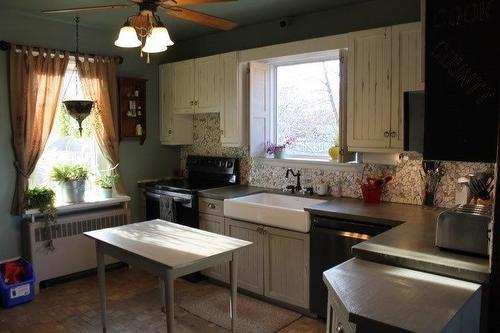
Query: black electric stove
(203, 173)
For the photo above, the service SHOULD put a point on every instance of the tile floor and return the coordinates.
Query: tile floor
(73, 307)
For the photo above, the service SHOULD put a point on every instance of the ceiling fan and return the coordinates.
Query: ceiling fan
(146, 24)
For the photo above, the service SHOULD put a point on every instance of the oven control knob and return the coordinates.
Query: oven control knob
(229, 164)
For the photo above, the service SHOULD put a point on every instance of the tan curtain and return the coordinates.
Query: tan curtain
(99, 81)
(36, 79)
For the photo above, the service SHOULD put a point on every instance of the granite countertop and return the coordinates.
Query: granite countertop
(410, 243)
(431, 302)
(229, 192)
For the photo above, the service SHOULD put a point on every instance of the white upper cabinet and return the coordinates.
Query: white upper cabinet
(406, 73)
(182, 85)
(175, 128)
(233, 112)
(369, 89)
(383, 64)
(207, 85)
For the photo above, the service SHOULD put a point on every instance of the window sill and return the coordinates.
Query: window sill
(90, 203)
(311, 164)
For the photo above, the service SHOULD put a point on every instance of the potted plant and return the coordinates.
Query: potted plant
(72, 178)
(106, 182)
(43, 199)
(278, 151)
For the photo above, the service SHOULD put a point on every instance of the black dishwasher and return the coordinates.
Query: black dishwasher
(331, 242)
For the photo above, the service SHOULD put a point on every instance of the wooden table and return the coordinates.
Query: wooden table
(169, 250)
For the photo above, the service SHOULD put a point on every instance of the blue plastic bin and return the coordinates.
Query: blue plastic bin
(22, 292)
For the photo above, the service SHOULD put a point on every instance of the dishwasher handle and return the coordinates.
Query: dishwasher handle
(350, 228)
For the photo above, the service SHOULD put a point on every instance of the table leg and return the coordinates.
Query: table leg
(162, 292)
(169, 299)
(233, 280)
(101, 276)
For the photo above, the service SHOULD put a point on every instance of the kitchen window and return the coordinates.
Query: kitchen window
(298, 100)
(65, 145)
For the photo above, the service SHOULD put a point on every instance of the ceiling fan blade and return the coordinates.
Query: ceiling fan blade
(200, 18)
(84, 9)
(191, 2)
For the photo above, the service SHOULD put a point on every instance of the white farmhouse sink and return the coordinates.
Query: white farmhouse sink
(277, 210)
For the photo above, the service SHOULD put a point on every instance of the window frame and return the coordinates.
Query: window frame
(306, 58)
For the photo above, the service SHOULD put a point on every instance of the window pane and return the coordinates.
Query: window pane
(307, 106)
(65, 145)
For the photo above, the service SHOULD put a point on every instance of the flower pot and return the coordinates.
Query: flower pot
(74, 191)
(106, 193)
(279, 153)
(371, 194)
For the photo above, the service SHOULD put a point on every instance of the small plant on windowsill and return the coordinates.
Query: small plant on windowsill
(43, 199)
(72, 178)
(278, 151)
(106, 182)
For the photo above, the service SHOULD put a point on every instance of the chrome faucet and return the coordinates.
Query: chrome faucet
(295, 174)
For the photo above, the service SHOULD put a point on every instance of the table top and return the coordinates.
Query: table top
(170, 244)
(397, 297)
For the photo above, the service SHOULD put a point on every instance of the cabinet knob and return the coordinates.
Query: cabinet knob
(195, 102)
(211, 206)
(340, 328)
(386, 134)
(393, 134)
(169, 131)
(191, 103)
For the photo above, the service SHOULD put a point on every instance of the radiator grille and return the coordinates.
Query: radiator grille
(67, 228)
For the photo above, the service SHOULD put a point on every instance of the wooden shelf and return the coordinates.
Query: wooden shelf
(132, 108)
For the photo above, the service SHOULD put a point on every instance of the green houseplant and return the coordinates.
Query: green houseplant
(72, 178)
(106, 182)
(43, 199)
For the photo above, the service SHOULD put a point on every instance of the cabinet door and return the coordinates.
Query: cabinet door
(406, 74)
(183, 87)
(369, 90)
(286, 266)
(214, 224)
(231, 117)
(175, 129)
(207, 85)
(250, 259)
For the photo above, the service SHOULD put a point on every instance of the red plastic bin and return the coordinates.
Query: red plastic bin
(18, 293)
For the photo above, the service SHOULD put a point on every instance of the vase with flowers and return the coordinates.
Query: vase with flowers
(278, 150)
(373, 187)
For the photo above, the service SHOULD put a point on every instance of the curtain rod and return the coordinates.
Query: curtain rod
(5, 46)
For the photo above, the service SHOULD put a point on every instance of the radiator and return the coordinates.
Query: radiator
(73, 252)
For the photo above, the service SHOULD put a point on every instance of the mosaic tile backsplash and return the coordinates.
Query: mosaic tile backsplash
(407, 185)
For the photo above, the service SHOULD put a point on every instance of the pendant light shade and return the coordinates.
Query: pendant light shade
(161, 34)
(153, 45)
(127, 37)
(79, 110)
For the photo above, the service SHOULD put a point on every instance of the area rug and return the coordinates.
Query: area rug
(211, 303)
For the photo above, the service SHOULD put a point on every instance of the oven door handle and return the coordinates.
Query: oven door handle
(176, 199)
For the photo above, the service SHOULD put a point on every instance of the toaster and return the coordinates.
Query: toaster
(465, 228)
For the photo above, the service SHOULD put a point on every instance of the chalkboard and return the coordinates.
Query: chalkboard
(462, 80)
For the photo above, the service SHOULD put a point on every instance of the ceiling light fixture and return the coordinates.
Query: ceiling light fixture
(144, 28)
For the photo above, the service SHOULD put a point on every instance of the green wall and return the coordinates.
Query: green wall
(137, 162)
(361, 16)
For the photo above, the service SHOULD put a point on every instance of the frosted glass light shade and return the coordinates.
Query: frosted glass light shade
(153, 45)
(127, 37)
(160, 33)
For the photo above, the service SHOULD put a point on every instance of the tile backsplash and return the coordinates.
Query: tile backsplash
(407, 185)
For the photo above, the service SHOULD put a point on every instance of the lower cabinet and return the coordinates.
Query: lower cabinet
(214, 224)
(276, 265)
(251, 258)
(286, 266)
(338, 317)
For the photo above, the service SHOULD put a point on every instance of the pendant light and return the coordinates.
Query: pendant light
(127, 37)
(78, 109)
